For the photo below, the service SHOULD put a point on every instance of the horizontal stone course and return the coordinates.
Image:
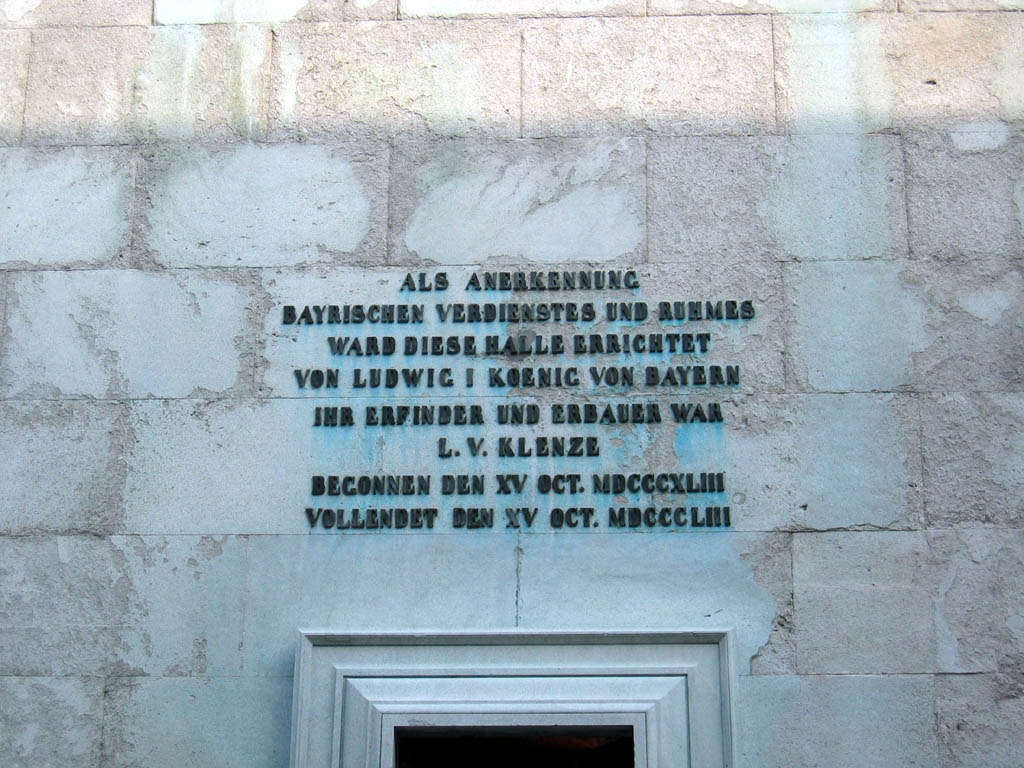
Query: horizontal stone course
(76, 13)
(268, 11)
(414, 8)
(667, 75)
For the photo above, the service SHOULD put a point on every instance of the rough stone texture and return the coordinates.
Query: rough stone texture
(122, 333)
(112, 85)
(448, 78)
(552, 202)
(79, 13)
(163, 722)
(265, 205)
(687, 7)
(633, 581)
(979, 719)
(772, 561)
(962, 5)
(805, 197)
(965, 190)
(66, 458)
(982, 484)
(14, 52)
(857, 326)
(248, 11)
(847, 73)
(205, 82)
(63, 602)
(782, 721)
(65, 207)
(411, 8)
(81, 85)
(669, 75)
(945, 599)
(56, 722)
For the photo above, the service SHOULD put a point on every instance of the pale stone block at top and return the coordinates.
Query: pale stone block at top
(549, 202)
(857, 326)
(64, 207)
(75, 13)
(962, 5)
(613, 580)
(117, 333)
(51, 721)
(377, 582)
(63, 467)
(785, 720)
(806, 197)
(948, 68)
(14, 52)
(966, 191)
(666, 75)
(979, 718)
(448, 78)
(266, 205)
(268, 11)
(203, 82)
(118, 84)
(891, 602)
(522, 8)
(172, 721)
(983, 485)
(81, 84)
(688, 7)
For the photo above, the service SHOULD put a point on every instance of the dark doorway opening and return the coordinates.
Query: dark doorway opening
(517, 746)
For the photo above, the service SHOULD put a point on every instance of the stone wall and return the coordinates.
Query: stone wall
(171, 172)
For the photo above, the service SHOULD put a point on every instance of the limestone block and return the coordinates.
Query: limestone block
(75, 13)
(806, 197)
(63, 467)
(412, 8)
(548, 202)
(607, 580)
(799, 462)
(845, 73)
(203, 82)
(952, 68)
(971, 318)
(81, 84)
(64, 207)
(14, 49)
(962, 5)
(130, 333)
(892, 602)
(265, 205)
(63, 600)
(52, 721)
(772, 561)
(973, 449)
(249, 464)
(668, 75)
(962, 188)
(240, 722)
(831, 73)
(857, 326)
(842, 722)
(187, 608)
(442, 581)
(116, 84)
(264, 11)
(448, 78)
(979, 719)
(688, 7)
